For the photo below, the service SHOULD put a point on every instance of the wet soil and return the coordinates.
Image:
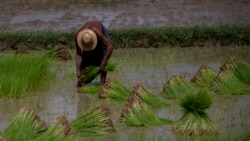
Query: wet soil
(70, 15)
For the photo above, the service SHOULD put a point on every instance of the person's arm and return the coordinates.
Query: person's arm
(78, 60)
(109, 48)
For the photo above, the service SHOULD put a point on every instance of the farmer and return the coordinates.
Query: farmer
(93, 48)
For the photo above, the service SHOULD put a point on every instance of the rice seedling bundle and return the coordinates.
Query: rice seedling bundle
(20, 74)
(61, 52)
(90, 89)
(137, 113)
(239, 68)
(114, 89)
(88, 74)
(150, 99)
(58, 131)
(227, 83)
(177, 87)
(195, 120)
(204, 77)
(96, 121)
(25, 126)
(2, 137)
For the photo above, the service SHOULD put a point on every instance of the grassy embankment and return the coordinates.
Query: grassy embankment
(221, 35)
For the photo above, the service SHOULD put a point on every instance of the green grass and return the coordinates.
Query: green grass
(22, 74)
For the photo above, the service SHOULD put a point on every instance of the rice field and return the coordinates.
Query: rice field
(152, 67)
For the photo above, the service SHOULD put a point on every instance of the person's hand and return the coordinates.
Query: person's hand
(101, 68)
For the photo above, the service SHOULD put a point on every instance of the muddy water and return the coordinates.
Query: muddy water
(152, 67)
(70, 15)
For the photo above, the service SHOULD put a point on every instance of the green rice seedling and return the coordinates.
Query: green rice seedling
(204, 77)
(137, 113)
(59, 131)
(227, 83)
(96, 121)
(149, 98)
(88, 74)
(25, 126)
(90, 89)
(176, 87)
(195, 120)
(20, 74)
(114, 89)
(239, 68)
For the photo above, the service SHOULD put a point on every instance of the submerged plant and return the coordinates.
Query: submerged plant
(59, 131)
(204, 77)
(195, 120)
(239, 68)
(20, 74)
(25, 126)
(227, 83)
(114, 89)
(137, 113)
(176, 87)
(96, 121)
(88, 74)
(150, 99)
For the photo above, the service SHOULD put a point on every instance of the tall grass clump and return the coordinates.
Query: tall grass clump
(59, 131)
(176, 87)
(20, 74)
(204, 77)
(195, 120)
(96, 121)
(137, 113)
(150, 99)
(227, 83)
(88, 74)
(26, 125)
(114, 89)
(239, 68)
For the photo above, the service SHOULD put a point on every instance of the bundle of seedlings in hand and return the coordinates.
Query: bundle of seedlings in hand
(61, 52)
(90, 89)
(227, 83)
(239, 68)
(88, 74)
(195, 120)
(151, 100)
(114, 89)
(204, 77)
(137, 113)
(25, 126)
(22, 74)
(176, 87)
(96, 121)
(58, 131)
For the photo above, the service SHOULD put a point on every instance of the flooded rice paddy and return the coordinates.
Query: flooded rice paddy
(151, 66)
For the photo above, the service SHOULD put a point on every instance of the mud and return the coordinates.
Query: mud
(64, 15)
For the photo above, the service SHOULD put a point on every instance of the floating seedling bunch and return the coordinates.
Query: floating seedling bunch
(137, 113)
(195, 120)
(88, 74)
(239, 68)
(150, 99)
(177, 87)
(227, 83)
(204, 77)
(114, 89)
(25, 126)
(96, 121)
(61, 52)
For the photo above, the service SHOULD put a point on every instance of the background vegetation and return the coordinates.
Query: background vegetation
(221, 35)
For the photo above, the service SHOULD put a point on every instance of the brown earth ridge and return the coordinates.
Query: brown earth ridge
(34, 15)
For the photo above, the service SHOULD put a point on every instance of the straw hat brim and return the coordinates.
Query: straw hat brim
(87, 40)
